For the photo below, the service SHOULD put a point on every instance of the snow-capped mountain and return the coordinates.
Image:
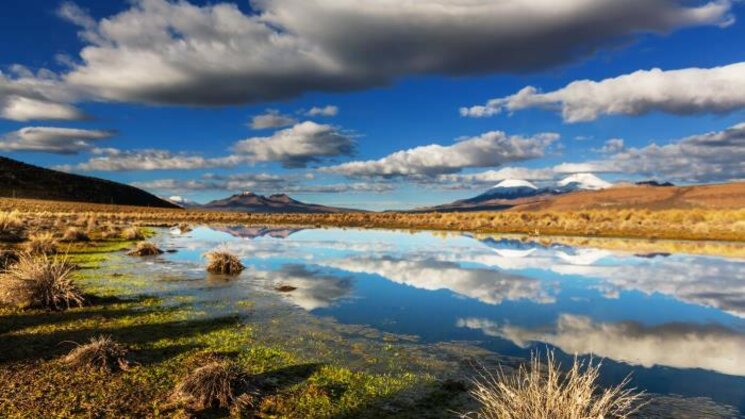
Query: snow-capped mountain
(510, 189)
(182, 202)
(582, 181)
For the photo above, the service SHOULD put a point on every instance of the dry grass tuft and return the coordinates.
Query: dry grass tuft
(132, 234)
(224, 263)
(11, 226)
(42, 244)
(74, 234)
(145, 249)
(543, 391)
(101, 353)
(217, 383)
(7, 259)
(40, 282)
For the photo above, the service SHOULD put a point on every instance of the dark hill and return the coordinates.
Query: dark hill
(280, 203)
(21, 180)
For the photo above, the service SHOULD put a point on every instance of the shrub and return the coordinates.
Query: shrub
(545, 392)
(42, 244)
(132, 234)
(11, 226)
(40, 282)
(214, 384)
(145, 249)
(101, 353)
(224, 263)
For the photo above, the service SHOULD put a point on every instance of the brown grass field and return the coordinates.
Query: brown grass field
(720, 224)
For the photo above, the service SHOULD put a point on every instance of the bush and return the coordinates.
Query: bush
(101, 353)
(224, 263)
(7, 259)
(132, 234)
(145, 249)
(40, 282)
(74, 234)
(42, 244)
(543, 391)
(11, 226)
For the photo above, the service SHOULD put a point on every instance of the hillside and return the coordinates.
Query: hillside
(719, 196)
(21, 180)
(279, 203)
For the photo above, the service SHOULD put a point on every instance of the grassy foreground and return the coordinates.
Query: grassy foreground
(676, 224)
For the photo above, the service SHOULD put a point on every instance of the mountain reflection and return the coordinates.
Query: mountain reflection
(679, 345)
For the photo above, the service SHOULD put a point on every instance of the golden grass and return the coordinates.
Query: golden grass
(543, 391)
(215, 384)
(74, 234)
(42, 244)
(685, 224)
(7, 259)
(40, 282)
(145, 249)
(223, 262)
(11, 226)
(101, 353)
(133, 233)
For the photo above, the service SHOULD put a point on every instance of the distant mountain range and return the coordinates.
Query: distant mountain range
(279, 203)
(511, 192)
(21, 180)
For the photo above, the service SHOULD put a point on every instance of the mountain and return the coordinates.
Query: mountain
(279, 203)
(655, 183)
(582, 182)
(21, 180)
(183, 202)
(509, 189)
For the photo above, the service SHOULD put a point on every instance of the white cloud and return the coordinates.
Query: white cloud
(681, 92)
(25, 96)
(677, 345)
(52, 140)
(166, 52)
(297, 146)
(329, 110)
(486, 150)
(614, 145)
(271, 119)
(111, 159)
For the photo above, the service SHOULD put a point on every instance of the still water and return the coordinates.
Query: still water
(676, 322)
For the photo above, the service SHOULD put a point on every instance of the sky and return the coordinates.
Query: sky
(374, 104)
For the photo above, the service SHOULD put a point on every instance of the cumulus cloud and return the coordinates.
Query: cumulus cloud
(271, 119)
(486, 150)
(681, 92)
(112, 159)
(614, 145)
(297, 146)
(25, 96)
(713, 156)
(329, 110)
(677, 345)
(168, 52)
(52, 139)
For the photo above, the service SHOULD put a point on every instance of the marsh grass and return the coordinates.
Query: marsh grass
(216, 384)
(145, 249)
(11, 226)
(74, 234)
(543, 391)
(132, 234)
(39, 281)
(101, 353)
(223, 262)
(42, 244)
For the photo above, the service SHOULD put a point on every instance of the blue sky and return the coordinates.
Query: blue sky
(98, 81)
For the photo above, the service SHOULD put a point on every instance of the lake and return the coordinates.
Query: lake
(676, 322)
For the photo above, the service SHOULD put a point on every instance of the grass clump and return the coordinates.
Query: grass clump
(40, 282)
(145, 249)
(543, 391)
(132, 234)
(11, 226)
(224, 263)
(74, 234)
(42, 244)
(216, 384)
(101, 353)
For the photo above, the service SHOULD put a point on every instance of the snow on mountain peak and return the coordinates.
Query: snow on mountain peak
(515, 183)
(585, 181)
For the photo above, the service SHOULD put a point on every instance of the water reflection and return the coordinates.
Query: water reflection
(674, 320)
